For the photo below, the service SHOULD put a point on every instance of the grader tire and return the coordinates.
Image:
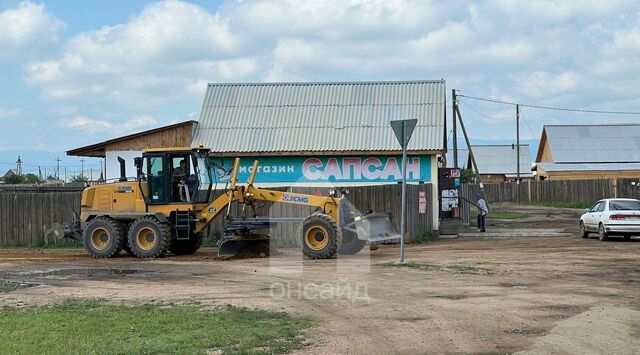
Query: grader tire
(320, 236)
(103, 238)
(186, 247)
(127, 248)
(149, 238)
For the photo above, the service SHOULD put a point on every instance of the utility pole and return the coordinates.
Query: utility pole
(473, 159)
(82, 167)
(518, 150)
(455, 128)
(58, 160)
(65, 173)
(39, 172)
(19, 166)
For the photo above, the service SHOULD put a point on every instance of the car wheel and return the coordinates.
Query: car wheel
(627, 236)
(583, 230)
(601, 233)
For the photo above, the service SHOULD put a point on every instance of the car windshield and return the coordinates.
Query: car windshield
(624, 205)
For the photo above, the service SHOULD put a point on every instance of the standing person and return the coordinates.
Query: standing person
(483, 211)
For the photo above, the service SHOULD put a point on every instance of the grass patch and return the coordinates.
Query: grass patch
(97, 327)
(506, 215)
(425, 237)
(452, 269)
(562, 204)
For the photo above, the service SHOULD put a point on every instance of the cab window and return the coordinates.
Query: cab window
(156, 178)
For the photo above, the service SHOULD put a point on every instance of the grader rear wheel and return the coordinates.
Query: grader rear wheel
(149, 238)
(320, 236)
(103, 238)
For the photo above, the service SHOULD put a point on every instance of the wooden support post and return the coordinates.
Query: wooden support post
(473, 159)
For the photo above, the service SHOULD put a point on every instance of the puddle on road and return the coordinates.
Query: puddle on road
(9, 286)
(71, 273)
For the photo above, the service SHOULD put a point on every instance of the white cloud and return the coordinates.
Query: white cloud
(92, 126)
(138, 122)
(43, 72)
(156, 55)
(87, 124)
(541, 83)
(159, 61)
(27, 28)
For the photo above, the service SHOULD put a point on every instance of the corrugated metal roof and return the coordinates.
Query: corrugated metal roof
(280, 117)
(616, 143)
(495, 159)
(588, 167)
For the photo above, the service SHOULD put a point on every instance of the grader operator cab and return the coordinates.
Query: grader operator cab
(170, 203)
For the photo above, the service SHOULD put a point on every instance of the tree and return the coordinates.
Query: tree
(467, 175)
(79, 178)
(32, 179)
(23, 179)
(14, 179)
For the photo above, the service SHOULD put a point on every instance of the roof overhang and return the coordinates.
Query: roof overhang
(99, 149)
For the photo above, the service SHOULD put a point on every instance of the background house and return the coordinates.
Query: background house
(496, 163)
(326, 134)
(306, 134)
(9, 173)
(131, 146)
(573, 152)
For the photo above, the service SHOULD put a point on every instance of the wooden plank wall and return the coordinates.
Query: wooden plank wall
(585, 191)
(380, 198)
(25, 215)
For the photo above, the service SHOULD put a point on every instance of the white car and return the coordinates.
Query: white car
(613, 216)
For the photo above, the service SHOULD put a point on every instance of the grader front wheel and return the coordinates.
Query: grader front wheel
(320, 236)
(103, 238)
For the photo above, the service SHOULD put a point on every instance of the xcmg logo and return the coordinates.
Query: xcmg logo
(298, 199)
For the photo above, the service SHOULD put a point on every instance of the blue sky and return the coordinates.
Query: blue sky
(78, 72)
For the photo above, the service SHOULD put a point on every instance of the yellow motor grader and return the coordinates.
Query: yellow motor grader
(170, 203)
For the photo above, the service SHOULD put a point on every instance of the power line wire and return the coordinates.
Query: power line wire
(497, 118)
(551, 107)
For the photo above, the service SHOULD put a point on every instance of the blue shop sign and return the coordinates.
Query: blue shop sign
(323, 169)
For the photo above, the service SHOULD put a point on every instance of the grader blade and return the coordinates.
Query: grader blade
(244, 246)
(376, 227)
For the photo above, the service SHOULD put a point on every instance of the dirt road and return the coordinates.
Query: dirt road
(459, 296)
(530, 294)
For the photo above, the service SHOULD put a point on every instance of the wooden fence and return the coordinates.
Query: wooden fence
(573, 191)
(25, 214)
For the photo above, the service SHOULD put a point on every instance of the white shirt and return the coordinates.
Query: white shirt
(482, 205)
